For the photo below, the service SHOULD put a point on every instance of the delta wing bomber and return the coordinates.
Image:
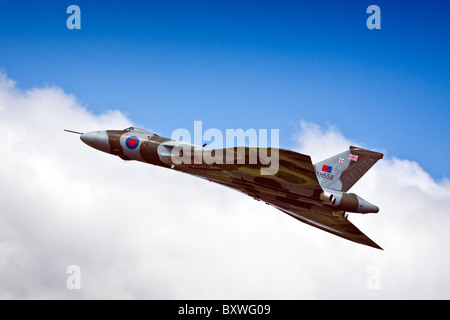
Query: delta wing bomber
(316, 194)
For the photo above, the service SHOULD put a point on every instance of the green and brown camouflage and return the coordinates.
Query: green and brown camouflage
(314, 194)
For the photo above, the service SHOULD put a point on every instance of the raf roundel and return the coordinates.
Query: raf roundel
(132, 142)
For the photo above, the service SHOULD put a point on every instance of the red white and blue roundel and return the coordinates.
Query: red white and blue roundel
(132, 142)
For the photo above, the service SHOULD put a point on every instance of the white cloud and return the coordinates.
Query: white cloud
(139, 231)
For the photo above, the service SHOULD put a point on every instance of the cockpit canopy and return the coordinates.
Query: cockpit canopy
(136, 129)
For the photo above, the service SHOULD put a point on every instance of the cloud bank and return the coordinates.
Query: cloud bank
(142, 232)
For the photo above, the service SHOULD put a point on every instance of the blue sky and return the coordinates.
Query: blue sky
(236, 64)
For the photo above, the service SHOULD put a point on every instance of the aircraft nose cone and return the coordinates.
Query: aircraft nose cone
(97, 140)
(375, 209)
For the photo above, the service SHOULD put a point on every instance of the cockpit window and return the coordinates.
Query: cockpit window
(136, 129)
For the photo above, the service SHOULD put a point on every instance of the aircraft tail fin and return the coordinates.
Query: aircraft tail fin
(343, 170)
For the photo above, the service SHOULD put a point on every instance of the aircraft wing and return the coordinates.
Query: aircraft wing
(294, 189)
(339, 227)
(306, 212)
